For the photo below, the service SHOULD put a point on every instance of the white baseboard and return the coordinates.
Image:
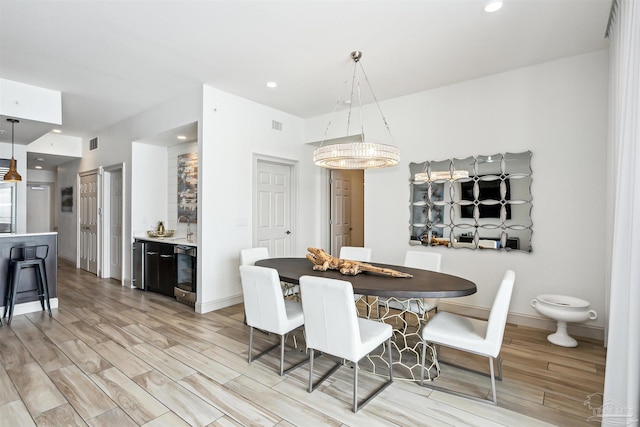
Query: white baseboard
(213, 305)
(31, 307)
(546, 324)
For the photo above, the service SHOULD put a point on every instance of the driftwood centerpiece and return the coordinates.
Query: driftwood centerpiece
(322, 261)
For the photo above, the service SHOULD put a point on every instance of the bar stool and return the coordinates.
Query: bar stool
(21, 257)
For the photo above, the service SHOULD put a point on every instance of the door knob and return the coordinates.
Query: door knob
(287, 232)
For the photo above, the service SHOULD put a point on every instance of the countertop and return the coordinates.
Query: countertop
(175, 240)
(27, 234)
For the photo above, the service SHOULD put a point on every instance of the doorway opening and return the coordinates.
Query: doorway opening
(346, 209)
(101, 211)
(39, 208)
(113, 213)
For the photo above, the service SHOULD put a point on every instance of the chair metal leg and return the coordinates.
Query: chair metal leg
(14, 290)
(355, 387)
(250, 342)
(379, 390)
(456, 393)
(321, 380)
(281, 344)
(356, 405)
(310, 370)
(281, 355)
(7, 298)
(45, 286)
(493, 382)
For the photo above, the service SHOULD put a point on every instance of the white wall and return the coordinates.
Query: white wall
(231, 131)
(67, 221)
(149, 187)
(558, 110)
(60, 145)
(115, 147)
(30, 102)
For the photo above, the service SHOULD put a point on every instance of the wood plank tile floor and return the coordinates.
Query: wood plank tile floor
(114, 356)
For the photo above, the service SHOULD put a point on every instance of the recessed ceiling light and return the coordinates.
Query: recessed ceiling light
(40, 159)
(272, 84)
(38, 167)
(493, 6)
(182, 137)
(57, 131)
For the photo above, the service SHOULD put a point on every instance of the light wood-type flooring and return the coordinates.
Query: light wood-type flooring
(114, 356)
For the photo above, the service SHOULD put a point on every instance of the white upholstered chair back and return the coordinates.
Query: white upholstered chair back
(331, 321)
(355, 253)
(498, 315)
(251, 255)
(263, 301)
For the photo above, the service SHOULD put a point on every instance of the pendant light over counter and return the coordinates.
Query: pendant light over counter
(362, 154)
(12, 174)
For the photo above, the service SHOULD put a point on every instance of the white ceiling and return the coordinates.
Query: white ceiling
(114, 59)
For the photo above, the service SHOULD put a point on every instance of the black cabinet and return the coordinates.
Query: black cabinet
(137, 264)
(160, 268)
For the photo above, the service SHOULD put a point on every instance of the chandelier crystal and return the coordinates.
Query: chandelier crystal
(357, 155)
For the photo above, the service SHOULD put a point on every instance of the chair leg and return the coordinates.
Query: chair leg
(493, 382)
(7, 298)
(359, 405)
(281, 355)
(14, 290)
(39, 284)
(250, 342)
(45, 286)
(310, 370)
(355, 387)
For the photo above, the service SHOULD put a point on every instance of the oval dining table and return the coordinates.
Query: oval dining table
(423, 284)
(408, 292)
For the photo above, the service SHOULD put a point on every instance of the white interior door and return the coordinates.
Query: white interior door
(274, 208)
(115, 224)
(38, 208)
(88, 217)
(347, 209)
(340, 221)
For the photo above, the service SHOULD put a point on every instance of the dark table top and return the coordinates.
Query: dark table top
(423, 284)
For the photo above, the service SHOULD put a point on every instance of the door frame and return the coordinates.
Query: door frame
(293, 167)
(98, 173)
(104, 221)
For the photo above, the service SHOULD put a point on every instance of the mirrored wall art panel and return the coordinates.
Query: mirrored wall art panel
(481, 202)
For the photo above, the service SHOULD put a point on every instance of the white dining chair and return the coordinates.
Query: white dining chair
(332, 326)
(355, 253)
(431, 261)
(267, 310)
(249, 256)
(472, 335)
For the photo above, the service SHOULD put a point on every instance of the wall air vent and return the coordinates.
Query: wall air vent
(276, 125)
(93, 144)
(4, 167)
